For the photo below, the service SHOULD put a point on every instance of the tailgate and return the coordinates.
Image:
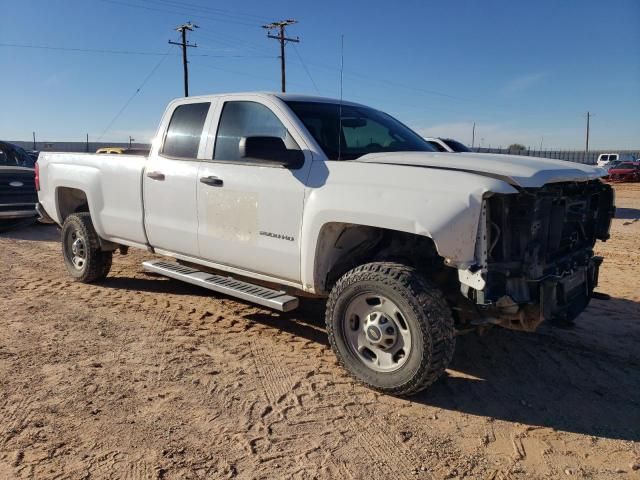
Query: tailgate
(17, 189)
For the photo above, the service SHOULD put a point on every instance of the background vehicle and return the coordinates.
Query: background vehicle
(612, 164)
(33, 154)
(625, 172)
(18, 195)
(605, 158)
(295, 195)
(123, 151)
(116, 150)
(447, 145)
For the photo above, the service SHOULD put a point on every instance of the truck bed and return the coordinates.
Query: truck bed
(111, 184)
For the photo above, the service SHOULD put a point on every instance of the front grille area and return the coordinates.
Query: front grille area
(544, 233)
(11, 194)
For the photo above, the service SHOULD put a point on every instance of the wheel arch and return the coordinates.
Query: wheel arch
(70, 200)
(342, 246)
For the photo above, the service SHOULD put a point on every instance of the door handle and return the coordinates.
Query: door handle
(211, 180)
(155, 175)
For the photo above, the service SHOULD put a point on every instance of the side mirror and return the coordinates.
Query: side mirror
(271, 150)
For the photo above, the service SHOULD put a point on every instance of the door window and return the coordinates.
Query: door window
(185, 130)
(247, 119)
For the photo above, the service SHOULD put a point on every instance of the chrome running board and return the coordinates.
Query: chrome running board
(267, 297)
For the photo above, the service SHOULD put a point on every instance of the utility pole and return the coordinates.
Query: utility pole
(34, 141)
(282, 38)
(131, 139)
(587, 145)
(184, 44)
(87, 144)
(473, 135)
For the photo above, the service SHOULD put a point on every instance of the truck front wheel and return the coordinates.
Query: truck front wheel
(83, 258)
(390, 328)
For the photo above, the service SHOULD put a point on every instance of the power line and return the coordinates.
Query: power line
(130, 99)
(122, 52)
(183, 29)
(306, 69)
(245, 74)
(177, 12)
(207, 9)
(84, 50)
(231, 41)
(282, 38)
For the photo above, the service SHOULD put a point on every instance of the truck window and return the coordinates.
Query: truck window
(185, 129)
(347, 132)
(247, 119)
(14, 156)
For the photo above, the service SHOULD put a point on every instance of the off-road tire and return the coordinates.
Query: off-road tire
(97, 263)
(425, 311)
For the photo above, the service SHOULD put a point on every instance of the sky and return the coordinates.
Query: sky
(524, 71)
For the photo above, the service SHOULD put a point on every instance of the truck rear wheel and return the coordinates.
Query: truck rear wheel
(390, 328)
(83, 258)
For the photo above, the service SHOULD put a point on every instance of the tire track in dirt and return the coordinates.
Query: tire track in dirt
(372, 445)
(363, 441)
(139, 470)
(275, 381)
(14, 418)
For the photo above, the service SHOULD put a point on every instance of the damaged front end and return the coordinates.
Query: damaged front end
(534, 252)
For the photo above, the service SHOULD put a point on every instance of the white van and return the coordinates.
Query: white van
(605, 158)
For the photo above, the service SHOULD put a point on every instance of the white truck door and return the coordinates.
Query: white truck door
(169, 185)
(250, 210)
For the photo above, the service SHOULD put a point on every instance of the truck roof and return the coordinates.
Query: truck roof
(291, 97)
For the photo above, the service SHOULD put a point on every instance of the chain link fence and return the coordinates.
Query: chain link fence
(578, 156)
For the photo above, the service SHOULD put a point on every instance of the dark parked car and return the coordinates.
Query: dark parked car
(18, 195)
(33, 154)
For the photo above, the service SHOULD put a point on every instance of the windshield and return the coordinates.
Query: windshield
(455, 145)
(361, 130)
(14, 156)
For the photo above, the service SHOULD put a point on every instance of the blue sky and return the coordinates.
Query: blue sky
(525, 72)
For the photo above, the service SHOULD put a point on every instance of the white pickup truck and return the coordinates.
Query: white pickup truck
(268, 197)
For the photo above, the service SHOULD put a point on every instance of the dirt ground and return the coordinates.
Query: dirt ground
(143, 377)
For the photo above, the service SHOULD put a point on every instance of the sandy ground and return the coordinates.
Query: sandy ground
(144, 377)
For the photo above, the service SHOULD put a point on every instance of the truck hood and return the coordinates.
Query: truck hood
(516, 170)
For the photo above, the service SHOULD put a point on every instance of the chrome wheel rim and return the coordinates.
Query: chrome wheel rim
(377, 332)
(76, 249)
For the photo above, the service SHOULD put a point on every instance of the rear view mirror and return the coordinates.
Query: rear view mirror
(271, 150)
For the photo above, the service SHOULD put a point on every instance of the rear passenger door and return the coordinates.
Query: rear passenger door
(169, 184)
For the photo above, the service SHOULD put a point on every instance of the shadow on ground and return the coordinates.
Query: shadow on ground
(153, 283)
(31, 230)
(627, 213)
